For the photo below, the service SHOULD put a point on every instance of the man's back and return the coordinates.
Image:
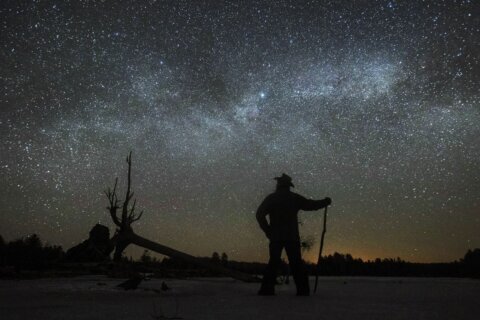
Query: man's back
(282, 208)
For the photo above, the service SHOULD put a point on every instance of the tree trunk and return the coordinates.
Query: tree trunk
(119, 248)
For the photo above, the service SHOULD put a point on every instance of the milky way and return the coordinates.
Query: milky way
(373, 103)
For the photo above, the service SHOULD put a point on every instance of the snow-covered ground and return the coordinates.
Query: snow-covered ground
(96, 297)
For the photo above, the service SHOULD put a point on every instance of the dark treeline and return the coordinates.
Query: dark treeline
(30, 254)
(345, 265)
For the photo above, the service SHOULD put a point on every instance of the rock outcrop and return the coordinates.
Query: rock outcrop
(96, 248)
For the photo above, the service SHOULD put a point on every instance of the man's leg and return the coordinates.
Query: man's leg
(298, 268)
(270, 275)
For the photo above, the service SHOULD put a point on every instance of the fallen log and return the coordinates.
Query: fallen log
(159, 248)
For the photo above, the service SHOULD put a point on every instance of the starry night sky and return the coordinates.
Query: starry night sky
(373, 103)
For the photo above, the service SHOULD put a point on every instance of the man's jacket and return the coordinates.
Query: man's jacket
(282, 208)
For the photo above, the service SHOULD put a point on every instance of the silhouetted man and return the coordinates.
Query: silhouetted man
(282, 207)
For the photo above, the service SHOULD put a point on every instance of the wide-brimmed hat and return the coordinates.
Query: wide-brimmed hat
(284, 180)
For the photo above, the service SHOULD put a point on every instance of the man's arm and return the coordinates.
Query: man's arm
(262, 218)
(311, 205)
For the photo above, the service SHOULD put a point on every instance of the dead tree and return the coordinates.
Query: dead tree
(125, 236)
(124, 223)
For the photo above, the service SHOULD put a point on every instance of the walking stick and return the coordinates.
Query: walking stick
(321, 248)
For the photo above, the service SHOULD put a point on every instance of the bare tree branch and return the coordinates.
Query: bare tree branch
(128, 194)
(113, 201)
(136, 218)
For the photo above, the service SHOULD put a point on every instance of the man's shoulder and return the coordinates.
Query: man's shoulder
(270, 196)
(296, 195)
(284, 194)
